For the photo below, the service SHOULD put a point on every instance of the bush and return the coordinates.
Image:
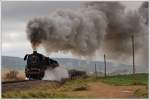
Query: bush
(11, 75)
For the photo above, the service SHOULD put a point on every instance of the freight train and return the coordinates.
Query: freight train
(37, 64)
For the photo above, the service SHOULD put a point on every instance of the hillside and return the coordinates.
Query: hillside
(69, 63)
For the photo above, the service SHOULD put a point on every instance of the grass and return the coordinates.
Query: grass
(137, 79)
(36, 94)
(142, 93)
(80, 84)
(49, 91)
(74, 85)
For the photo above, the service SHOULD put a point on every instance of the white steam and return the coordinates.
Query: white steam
(57, 74)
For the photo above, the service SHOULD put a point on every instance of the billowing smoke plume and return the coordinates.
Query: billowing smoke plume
(79, 32)
(121, 26)
(144, 9)
(98, 25)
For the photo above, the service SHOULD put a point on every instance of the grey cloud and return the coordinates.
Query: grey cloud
(16, 14)
(20, 10)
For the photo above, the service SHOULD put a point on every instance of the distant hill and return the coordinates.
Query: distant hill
(69, 63)
(12, 62)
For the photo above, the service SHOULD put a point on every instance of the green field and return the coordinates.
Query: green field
(137, 79)
(82, 84)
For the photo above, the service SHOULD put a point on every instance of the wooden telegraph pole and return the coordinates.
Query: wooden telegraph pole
(95, 70)
(132, 37)
(105, 64)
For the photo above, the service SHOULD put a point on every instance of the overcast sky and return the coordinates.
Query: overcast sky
(15, 16)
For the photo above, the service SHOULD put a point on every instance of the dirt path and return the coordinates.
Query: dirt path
(102, 90)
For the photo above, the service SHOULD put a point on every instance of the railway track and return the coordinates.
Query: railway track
(27, 84)
(9, 82)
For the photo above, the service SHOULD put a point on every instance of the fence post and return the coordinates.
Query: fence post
(105, 65)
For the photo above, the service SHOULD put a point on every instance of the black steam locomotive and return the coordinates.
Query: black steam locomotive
(37, 64)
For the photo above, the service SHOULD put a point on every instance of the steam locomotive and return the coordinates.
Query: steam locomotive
(37, 64)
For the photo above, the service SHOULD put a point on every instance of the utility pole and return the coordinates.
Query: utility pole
(132, 37)
(105, 64)
(95, 70)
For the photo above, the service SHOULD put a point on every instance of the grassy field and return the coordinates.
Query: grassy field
(49, 91)
(82, 84)
(137, 79)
